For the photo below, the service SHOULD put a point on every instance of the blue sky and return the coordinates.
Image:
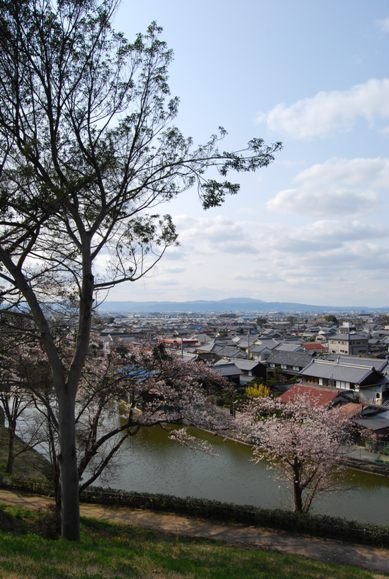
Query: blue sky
(313, 227)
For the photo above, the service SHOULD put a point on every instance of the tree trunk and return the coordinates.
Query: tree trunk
(70, 504)
(57, 495)
(297, 490)
(11, 455)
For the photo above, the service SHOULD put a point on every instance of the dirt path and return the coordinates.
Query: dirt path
(327, 550)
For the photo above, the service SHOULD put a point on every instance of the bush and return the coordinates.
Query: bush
(316, 525)
(29, 485)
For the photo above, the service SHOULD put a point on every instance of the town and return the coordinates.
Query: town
(340, 360)
(181, 156)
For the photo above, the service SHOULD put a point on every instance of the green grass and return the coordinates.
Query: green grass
(106, 550)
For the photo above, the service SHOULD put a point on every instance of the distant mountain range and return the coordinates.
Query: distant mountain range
(230, 305)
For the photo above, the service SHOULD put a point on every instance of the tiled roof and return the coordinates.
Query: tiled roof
(289, 347)
(300, 359)
(378, 363)
(226, 369)
(349, 337)
(245, 341)
(267, 341)
(339, 370)
(320, 396)
(227, 351)
(313, 346)
(246, 364)
(351, 409)
(374, 423)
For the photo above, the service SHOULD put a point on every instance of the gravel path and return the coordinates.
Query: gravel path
(328, 550)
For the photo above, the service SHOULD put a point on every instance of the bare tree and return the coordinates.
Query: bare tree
(89, 150)
(15, 386)
(14, 402)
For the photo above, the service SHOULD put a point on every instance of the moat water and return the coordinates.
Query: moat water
(151, 462)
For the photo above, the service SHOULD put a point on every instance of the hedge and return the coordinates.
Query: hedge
(316, 525)
(308, 524)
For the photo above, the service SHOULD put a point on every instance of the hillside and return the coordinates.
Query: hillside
(108, 550)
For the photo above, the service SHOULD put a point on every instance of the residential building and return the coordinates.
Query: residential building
(364, 376)
(349, 344)
(289, 363)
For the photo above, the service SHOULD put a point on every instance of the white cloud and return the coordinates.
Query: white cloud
(339, 260)
(330, 111)
(322, 203)
(336, 187)
(347, 272)
(214, 234)
(328, 235)
(383, 24)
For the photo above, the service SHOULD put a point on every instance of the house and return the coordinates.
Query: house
(227, 370)
(375, 422)
(290, 363)
(315, 347)
(218, 349)
(365, 376)
(319, 396)
(290, 347)
(269, 334)
(351, 344)
(262, 348)
(244, 342)
(184, 356)
(249, 369)
(179, 342)
(352, 409)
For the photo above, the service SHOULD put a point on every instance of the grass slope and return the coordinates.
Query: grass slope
(107, 550)
(29, 463)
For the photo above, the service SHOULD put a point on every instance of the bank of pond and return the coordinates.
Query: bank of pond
(152, 463)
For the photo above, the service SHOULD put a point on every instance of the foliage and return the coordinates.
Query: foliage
(257, 391)
(276, 376)
(332, 319)
(315, 525)
(172, 391)
(89, 149)
(301, 439)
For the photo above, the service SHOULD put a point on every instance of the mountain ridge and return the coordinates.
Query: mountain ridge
(228, 305)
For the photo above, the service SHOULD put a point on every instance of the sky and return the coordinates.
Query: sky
(313, 227)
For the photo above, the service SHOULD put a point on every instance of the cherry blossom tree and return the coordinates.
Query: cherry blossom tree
(303, 441)
(148, 390)
(121, 392)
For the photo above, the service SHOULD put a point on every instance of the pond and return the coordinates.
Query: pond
(151, 462)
